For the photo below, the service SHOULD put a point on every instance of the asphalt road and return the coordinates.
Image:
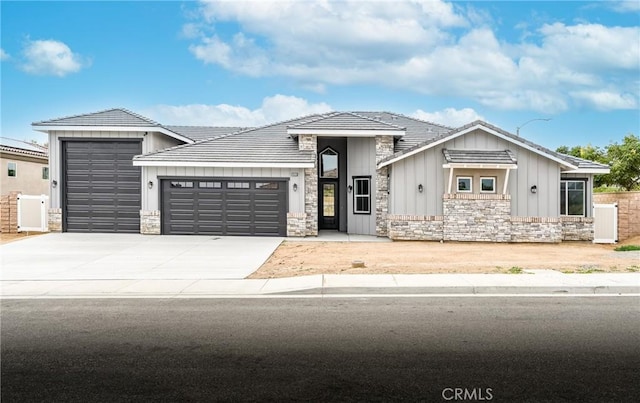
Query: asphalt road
(361, 349)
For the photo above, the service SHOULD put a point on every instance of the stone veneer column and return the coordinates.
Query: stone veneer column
(55, 220)
(309, 142)
(150, 222)
(384, 149)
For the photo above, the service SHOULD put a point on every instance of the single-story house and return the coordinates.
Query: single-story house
(375, 173)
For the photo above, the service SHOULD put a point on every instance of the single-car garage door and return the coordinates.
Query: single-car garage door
(224, 207)
(101, 191)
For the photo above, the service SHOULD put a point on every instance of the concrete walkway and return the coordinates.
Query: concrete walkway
(538, 282)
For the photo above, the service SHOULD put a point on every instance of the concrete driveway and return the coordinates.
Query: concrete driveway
(65, 256)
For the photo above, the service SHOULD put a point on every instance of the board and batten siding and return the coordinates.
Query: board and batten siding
(151, 197)
(55, 154)
(426, 168)
(361, 157)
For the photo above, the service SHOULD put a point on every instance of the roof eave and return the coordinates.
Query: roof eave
(222, 164)
(346, 133)
(142, 129)
(599, 171)
(479, 165)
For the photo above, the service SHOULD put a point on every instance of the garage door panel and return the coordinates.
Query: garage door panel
(225, 207)
(102, 187)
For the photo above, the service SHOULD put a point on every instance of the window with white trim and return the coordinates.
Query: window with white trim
(465, 184)
(45, 173)
(12, 169)
(573, 197)
(361, 195)
(487, 184)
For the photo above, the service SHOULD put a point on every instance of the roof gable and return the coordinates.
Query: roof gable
(488, 128)
(109, 117)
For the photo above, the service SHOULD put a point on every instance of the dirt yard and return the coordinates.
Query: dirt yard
(10, 237)
(306, 258)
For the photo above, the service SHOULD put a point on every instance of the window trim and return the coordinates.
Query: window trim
(365, 196)
(321, 165)
(470, 184)
(495, 184)
(15, 169)
(584, 182)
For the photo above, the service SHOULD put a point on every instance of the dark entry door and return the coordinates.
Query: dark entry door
(328, 214)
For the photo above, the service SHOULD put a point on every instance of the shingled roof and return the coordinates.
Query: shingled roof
(267, 145)
(109, 117)
(504, 157)
(344, 121)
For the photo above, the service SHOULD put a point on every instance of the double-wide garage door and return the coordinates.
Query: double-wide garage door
(224, 207)
(101, 190)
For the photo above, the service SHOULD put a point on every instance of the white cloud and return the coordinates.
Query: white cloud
(50, 57)
(449, 116)
(4, 55)
(607, 100)
(273, 109)
(624, 6)
(426, 46)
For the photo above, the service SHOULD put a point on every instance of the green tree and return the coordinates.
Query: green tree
(591, 153)
(625, 163)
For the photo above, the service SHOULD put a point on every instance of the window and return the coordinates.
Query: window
(209, 185)
(362, 195)
(267, 185)
(12, 169)
(45, 173)
(328, 164)
(465, 184)
(237, 185)
(572, 197)
(180, 184)
(487, 185)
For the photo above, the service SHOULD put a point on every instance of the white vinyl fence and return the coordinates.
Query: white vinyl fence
(32, 213)
(605, 223)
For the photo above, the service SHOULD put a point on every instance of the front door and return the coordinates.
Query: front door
(328, 204)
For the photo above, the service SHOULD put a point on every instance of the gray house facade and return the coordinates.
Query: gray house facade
(373, 173)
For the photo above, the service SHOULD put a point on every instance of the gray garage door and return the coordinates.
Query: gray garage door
(224, 207)
(101, 191)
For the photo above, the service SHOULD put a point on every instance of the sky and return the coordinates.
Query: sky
(238, 63)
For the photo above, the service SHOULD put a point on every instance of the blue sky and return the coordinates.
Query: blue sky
(251, 63)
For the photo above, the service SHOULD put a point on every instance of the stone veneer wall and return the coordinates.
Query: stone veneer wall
(536, 229)
(577, 228)
(309, 142)
(384, 149)
(628, 211)
(477, 217)
(150, 222)
(296, 224)
(55, 220)
(415, 227)
(9, 212)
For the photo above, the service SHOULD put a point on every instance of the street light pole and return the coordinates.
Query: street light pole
(527, 122)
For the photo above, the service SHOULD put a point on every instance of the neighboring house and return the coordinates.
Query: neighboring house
(374, 173)
(24, 167)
